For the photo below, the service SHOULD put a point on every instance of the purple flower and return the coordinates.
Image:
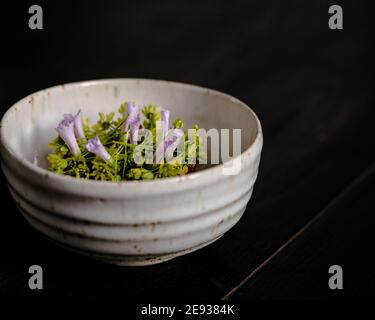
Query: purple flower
(95, 146)
(66, 131)
(77, 120)
(165, 121)
(133, 121)
(171, 142)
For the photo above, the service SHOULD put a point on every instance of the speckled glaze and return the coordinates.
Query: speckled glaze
(133, 222)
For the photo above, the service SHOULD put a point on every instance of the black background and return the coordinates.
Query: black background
(312, 88)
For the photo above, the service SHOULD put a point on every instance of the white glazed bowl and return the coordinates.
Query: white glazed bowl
(132, 222)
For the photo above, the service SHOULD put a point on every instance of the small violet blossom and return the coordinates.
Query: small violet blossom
(66, 131)
(133, 121)
(165, 121)
(95, 146)
(171, 142)
(77, 120)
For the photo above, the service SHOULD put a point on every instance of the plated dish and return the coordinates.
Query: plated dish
(128, 222)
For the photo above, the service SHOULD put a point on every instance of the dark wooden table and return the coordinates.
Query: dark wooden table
(312, 88)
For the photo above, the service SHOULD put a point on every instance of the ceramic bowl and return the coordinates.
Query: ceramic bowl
(132, 222)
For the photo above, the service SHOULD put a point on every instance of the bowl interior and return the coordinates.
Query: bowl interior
(29, 125)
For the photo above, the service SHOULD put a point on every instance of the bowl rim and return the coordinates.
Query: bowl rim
(62, 179)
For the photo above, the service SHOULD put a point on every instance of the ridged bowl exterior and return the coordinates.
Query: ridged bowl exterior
(132, 223)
